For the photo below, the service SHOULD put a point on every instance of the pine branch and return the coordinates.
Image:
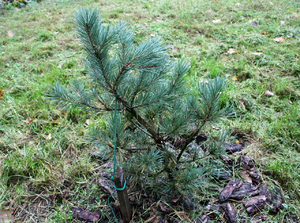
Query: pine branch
(127, 65)
(101, 140)
(64, 98)
(136, 91)
(97, 55)
(93, 107)
(90, 39)
(153, 80)
(195, 110)
(141, 121)
(208, 104)
(203, 157)
(143, 67)
(173, 85)
(134, 149)
(105, 88)
(160, 120)
(185, 120)
(193, 160)
(136, 125)
(189, 140)
(146, 104)
(101, 102)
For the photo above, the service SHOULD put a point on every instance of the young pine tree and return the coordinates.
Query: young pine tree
(158, 115)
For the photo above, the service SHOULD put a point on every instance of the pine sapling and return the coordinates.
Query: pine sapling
(159, 115)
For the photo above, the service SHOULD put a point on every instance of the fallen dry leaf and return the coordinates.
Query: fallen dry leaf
(268, 93)
(25, 67)
(217, 21)
(171, 47)
(214, 127)
(253, 23)
(1, 93)
(62, 112)
(245, 176)
(279, 39)
(162, 208)
(88, 121)
(231, 51)
(28, 121)
(10, 33)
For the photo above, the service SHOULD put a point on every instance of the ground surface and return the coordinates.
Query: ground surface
(43, 155)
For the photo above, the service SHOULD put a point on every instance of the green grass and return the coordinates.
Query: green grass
(43, 158)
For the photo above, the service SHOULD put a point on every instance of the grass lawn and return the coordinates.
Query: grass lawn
(44, 162)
